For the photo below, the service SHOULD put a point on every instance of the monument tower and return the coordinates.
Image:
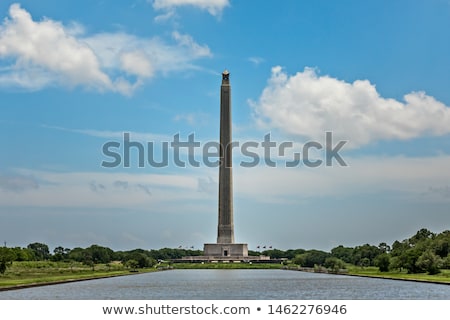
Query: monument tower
(225, 229)
(225, 246)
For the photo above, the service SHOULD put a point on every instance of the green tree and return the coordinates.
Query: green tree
(59, 253)
(334, 264)
(119, 256)
(364, 262)
(384, 247)
(396, 263)
(421, 235)
(254, 253)
(441, 245)
(291, 253)
(299, 259)
(40, 250)
(143, 261)
(446, 262)
(99, 254)
(311, 258)
(409, 260)
(274, 253)
(23, 254)
(383, 261)
(406, 254)
(430, 262)
(7, 256)
(132, 264)
(343, 253)
(365, 255)
(398, 248)
(76, 254)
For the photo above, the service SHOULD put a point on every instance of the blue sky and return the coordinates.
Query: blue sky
(75, 75)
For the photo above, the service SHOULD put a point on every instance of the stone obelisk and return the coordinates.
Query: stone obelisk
(225, 248)
(225, 229)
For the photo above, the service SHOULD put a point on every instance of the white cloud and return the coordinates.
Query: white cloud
(421, 179)
(145, 57)
(164, 17)
(140, 136)
(137, 63)
(256, 60)
(193, 48)
(18, 183)
(46, 53)
(48, 47)
(413, 179)
(194, 119)
(307, 105)
(99, 189)
(214, 7)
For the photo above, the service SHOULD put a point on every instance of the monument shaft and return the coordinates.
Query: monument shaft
(225, 249)
(225, 229)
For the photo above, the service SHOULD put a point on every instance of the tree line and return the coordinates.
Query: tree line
(95, 254)
(423, 252)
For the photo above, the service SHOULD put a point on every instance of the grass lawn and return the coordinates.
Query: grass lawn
(35, 272)
(443, 277)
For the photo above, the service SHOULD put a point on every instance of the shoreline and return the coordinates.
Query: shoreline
(49, 283)
(377, 276)
(56, 282)
(400, 279)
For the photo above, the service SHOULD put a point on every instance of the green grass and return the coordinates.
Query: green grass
(443, 277)
(39, 272)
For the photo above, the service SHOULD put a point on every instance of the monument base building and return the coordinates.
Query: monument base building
(228, 250)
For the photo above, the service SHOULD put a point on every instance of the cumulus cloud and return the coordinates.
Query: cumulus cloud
(153, 55)
(36, 54)
(136, 63)
(214, 7)
(306, 104)
(48, 48)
